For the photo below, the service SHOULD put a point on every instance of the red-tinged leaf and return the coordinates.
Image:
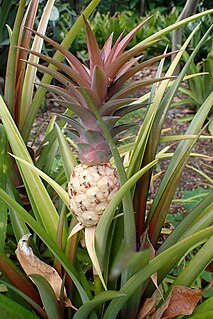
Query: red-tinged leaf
(122, 45)
(93, 49)
(111, 106)
(127, 66)
(99, 83)
(134, 87)
(74, 62)
(129, 108)
(73, 97)
(86, 116)
(127, 75)
(148, 308)
(57, 75)
(182, 301)
(111, 53)
(117, 64)
(25, 35)
(71, 88)
(17, 278)
(92, 95)
(24, 41)
(107, 48)
(76, 77)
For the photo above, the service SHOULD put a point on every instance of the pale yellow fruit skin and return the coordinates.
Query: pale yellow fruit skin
(90, 189)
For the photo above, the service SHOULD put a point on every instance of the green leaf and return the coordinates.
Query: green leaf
(67, 155)
(43, 207)
(17, 278)
(105, 221)
(188, 221)
(84, 311)
(90, 244)
(168, 185)
(40, 231)
(164, 261)
(35, 305)
(47, 296)
(194, 196)
(60, 191)
(193, 269)
(3, 181)
(11, 309)
(19, 226)
(30, 72)
(170, 28)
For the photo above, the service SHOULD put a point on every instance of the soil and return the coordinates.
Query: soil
(175, 125)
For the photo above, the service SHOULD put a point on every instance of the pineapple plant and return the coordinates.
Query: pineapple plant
(94, 181)
(103, 84)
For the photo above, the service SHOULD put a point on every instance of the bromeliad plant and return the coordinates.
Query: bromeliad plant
(122, 239)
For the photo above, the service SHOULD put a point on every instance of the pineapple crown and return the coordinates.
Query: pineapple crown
(102, 82)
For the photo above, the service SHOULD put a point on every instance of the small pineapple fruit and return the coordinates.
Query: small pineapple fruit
(91, 189)
(94, 182)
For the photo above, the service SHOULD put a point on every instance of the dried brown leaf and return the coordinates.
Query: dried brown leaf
(154, 276)
(158, 314)
(31, 264)
(181, 301)
(148, 308)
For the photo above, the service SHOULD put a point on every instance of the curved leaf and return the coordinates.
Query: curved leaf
(60, 191)
(105, 221)
(3, 181)
(11, 309)
(42, 205)
(164, 261)
(85, 310)
(47, 296)
(40, 231)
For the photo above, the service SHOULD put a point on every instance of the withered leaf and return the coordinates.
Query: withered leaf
(148, 245)
(148, 308)
(31, 264)
(181, 301)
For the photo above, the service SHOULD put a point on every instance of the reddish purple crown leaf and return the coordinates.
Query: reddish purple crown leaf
(90, 94)
(122, 45)
(87, 117)
(99, 83)
(118, 63)
(111, 53)
(67, 95)
(93, 49)
(76, 64)
(128, 74)
(107, 48)
(134, 87)
(127, 66)
(77, 78)
(111, 106)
